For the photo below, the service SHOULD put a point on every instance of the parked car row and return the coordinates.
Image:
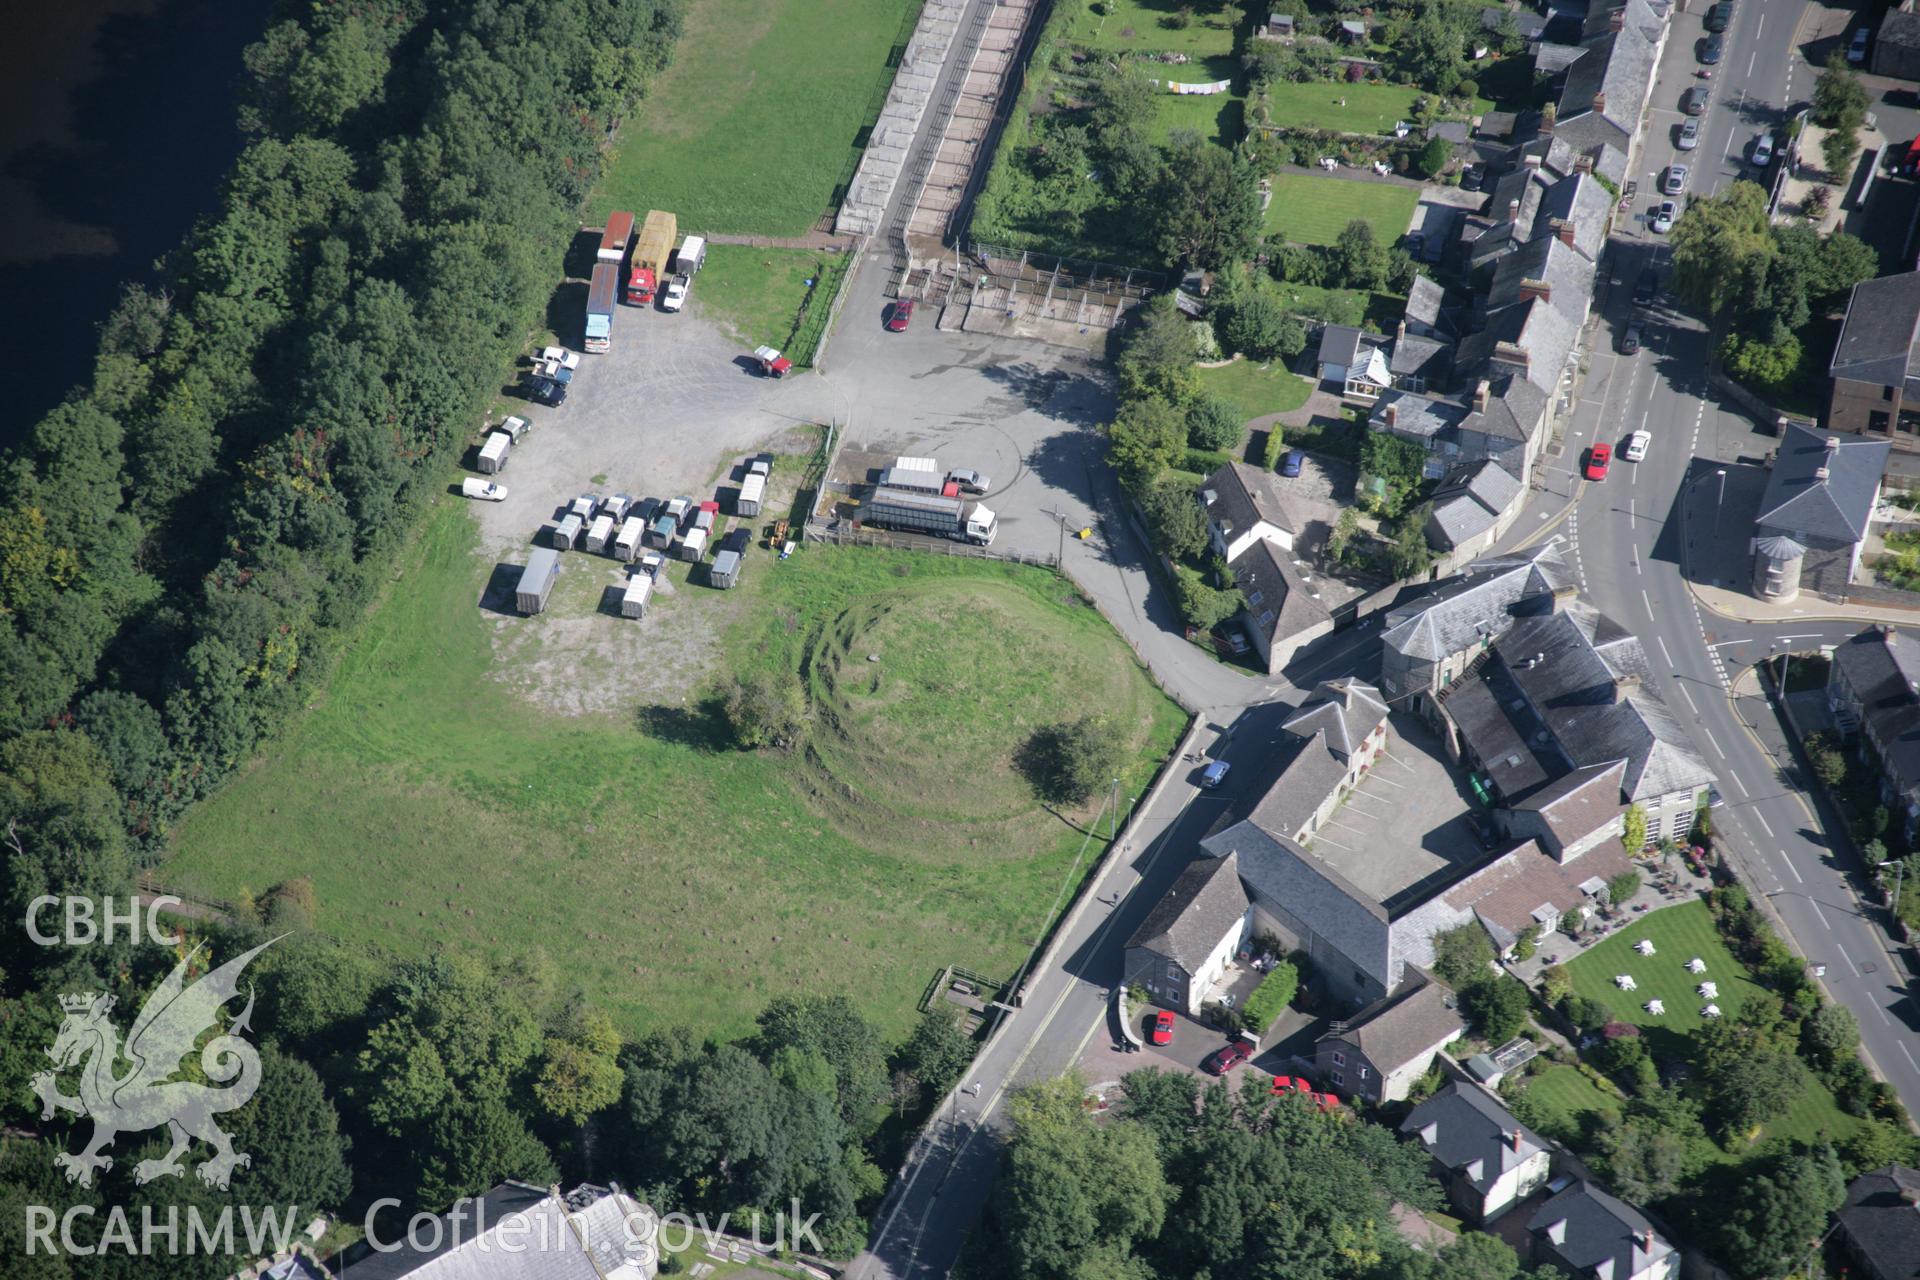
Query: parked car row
(1600, 456)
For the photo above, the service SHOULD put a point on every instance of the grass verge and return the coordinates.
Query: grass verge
(759, 294)
(677, 880)
(762, 114)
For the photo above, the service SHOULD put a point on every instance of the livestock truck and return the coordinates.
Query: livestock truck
(606, 279)
(613, 241)
(652, 253)
(918, 512)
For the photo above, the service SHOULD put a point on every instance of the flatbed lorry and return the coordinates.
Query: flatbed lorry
(652, 253)
(934, 513)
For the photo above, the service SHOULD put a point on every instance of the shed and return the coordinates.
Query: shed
(694, 545)
(725, 573)
(632, 536)
(661, 534)
(753, 491)
(536, 580)
(493, 453)
(633, 601)
(600, 533)
(1353, 31)
(566, 534)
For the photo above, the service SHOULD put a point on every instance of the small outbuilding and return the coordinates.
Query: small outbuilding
(725, 572)
(536, 580)
(566, 534)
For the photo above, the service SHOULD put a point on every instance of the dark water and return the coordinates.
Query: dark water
(116, 126)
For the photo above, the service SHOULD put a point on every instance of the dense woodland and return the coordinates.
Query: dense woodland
(185, 542)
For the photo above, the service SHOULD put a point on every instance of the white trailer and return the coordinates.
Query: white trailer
(493, 453)
(692, 255)
(566, 534)
(618, 506)
(633, 601)
(632, 536)
(600, 533)
(920, 475)
(753, 491)
(586, 506)
(694, 545)
(725, 572)
(536, 580)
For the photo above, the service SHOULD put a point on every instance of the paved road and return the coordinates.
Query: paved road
(1633, 533)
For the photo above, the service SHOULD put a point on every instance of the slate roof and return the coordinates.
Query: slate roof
(1878, 341)
(1206, 901)
(1900, 27)
(1531, 339)
(1507, 895)
(1280, 872)
(1514, 412)
(1484, 597)
(1347, 709)
(1243, 496)
(1462, 1127)
(1883, 670)
(545, 1233)
(1584, 679)
(1416, 416)
(1581, 802)
(1479, 709)
(1470, 500)
(1418, 357)
(1307, 779)
(1279, 602)
(1497, 124)
(1579, 199)
(1394, 1031)
(1426, 302)
(1340, 344)
(1597, 1233)
(1833, 509)
(1527, 23)
(1881, 1217)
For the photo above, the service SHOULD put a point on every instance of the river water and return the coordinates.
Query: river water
(116, 126)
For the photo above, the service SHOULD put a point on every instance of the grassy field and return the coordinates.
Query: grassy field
(1219, 117)
(761, 114)
(756, 292)
(1144, 26)
(1256, 389)
(674, 879)
(1566, 1094)
(1345, 108)
(1311, 209)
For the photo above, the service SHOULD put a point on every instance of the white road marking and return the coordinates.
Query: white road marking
(1762, 819)
(1683, 691)
(1903, 1046)
(1741, 785)
(1821, 914)
(1785, 639)
(1661, 641)
(1646, 600)
(1710, 742)
(1797, 877)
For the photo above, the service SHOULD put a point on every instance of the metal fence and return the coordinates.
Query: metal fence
(1051, 271)
(845, 533)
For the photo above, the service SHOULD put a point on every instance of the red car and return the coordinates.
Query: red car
(1163, 1027)
(1294, 1084)
(1597, 459)
(1227, 1057)
(902, 315)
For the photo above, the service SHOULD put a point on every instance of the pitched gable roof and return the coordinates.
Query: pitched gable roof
(1395, 1031)
(1237, 497)
(1304, 783)
(1591, 1233)
(1347, 709)
(1470, 501)
(1882, 331)
(1882, 1218)
(1883, 670)
(1823, 486)
(1280, 601)
(1480, 600)
(1470, 1133)
(1582, 802)
(1206, 901)
(1524, 888)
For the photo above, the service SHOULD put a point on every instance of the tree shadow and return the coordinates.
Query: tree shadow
(700, 725)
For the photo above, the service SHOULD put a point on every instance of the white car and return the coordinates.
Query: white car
(486, 490)
(561, 357)
(1689, 134)
(1857, 51)
(1762, 149)
(1663, 217)
(1637, 443)
(1675, 181)
(676, 294)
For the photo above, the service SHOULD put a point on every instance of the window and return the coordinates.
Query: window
(1886, 393)
(1363, 1073)
(1880, 421)
(1339, 1058)
(1337, 1078)
(1173, 972)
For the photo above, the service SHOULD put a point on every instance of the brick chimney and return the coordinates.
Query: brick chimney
(1513, 1140)
(1513, 211)
(1393, 414)
(1623, 684)
(1833, 444)
(1600, 103)
(1564, 229)
(1617, 20)
(1821, 473)
(1480, 394)
(1583, 164)
(1400, 334)
(1512, 353)
(1536, 289)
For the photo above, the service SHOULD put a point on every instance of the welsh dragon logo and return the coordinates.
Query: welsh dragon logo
(145, 1096)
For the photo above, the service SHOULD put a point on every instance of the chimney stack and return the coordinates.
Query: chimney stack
(1513, 211)
(1600, 103)
(1480, 394)
(1833, 444)
(1617, 20)
(1393, 414)
(1564, 229)
(1821, 473)
(1513, 1140)
(1623, 684)
(1512, 353)
(1535, 289)
(1583, 164)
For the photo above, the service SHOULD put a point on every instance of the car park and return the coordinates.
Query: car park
(1664, 216)
(1597, 459)
(1689, 134)
(1291, 464)
(1712, 48)
(1695, 100)
(1636, 450)
(1857, 50)
(1227, 1057)
(1720, 17)
(1674, 181)
(1762, 154)
(1630, 340)
(1163, 1027)
(900, 316)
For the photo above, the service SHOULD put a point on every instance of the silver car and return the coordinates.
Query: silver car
(1675, 180)
(1762, 149)
(1664, 216)
(1689, 134)
(971, 481)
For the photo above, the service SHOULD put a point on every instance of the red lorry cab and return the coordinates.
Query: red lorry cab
(641, 285)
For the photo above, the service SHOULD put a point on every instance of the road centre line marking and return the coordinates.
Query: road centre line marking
(1662, 642)
(1762, 819)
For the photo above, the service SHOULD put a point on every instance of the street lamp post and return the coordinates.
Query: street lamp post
(1899, 866)
(1721, 502)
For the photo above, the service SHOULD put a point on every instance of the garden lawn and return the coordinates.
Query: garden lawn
(1219, 118)
(757, 293)
(1311, 209)
(676, 880)
(1566, 1095)
(1256, 389)
(1144, 26)
(760, 116)
(1370, 108)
